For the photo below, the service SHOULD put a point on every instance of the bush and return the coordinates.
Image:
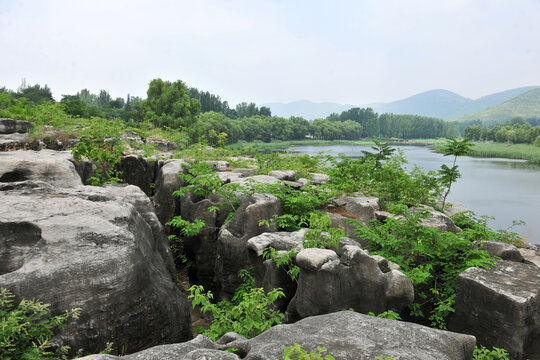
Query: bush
(25, 329)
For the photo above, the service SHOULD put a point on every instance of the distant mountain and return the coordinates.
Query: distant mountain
(438, 103)
(435, 103)
(526, 105)
(306, 109)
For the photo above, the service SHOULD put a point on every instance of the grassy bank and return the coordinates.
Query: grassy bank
(287, 144)
(502, 150)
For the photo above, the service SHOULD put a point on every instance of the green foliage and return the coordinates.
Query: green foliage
(169, 104)
(296, 352)
(432, 260)
(388, 314)
(449, 175)
(25, 329)
(249, 312)
(187, 228)
(482, 353)
(388, 180)
(105, 154)
(475, 229)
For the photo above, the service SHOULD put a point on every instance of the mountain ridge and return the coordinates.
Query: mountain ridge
(438, 103)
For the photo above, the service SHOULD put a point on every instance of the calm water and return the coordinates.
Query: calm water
(505, 189)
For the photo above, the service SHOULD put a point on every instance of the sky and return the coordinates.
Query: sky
(349, 52)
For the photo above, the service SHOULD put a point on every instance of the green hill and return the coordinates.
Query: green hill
(526, 105)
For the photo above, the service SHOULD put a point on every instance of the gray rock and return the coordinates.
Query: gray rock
(264, 179)
(436, 219)
(531, 256)
(233, 236)
(49, 166)
(7, 126)
(283, 174)
(385, 265)
(162, 145)
(244, 171)
(349, 335)
(200, 348)
(501, 307)
(90, 248)
(329, 283)
(219, 165)
(453, 208)
(502, 250)
(138, 171)
(342, 222)
(228, 177)
(14, 141)
(167, 181)
(319, 179)
(345, 335)
(362, 208)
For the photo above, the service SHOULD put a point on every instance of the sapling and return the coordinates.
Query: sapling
(449, 175)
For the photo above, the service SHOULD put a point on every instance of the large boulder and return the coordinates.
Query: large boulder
(504, 251)
(53, 167)
(136, 170)
(435, 219)
(345, 335)
(98, 249)
(232, 254)
(501, 307)
(330, 281)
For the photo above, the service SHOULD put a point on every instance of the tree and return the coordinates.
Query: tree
(169, 104)
(450, 175)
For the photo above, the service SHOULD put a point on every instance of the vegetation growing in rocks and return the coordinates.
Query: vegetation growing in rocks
(248, 313)
(26, 329)
(296, 352)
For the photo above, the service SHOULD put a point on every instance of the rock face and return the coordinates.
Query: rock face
(502, 250)
(345, 335)
(232, 254)
(50, 166)
(98, 249)
(331, 281)
(436, 220)
(138, 171)
(167, 181)
(501, 307)
(10, 126)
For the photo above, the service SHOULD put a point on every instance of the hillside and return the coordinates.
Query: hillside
(434, 103)
(526, 105)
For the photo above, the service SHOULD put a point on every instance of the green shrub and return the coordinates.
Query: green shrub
(248, 313)
(296, 352)
(432, 260)
(25, 329)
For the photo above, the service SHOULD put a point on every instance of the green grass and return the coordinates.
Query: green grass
(503, 150)
(288, 144)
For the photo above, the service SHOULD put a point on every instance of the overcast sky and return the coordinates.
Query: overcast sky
(354, 52)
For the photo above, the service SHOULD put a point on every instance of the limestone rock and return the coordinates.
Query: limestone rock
(502, 250)
(49, 166)
(14, 141)
(233, 236)
(219, 165)
(90, 248)
(501, 307)
(167, 181)
(283, 174)
(244, 171)
(319, 179)
(345, 335)
(436, 220)
(330, 282)
(264, 179)
(138, 171)
(362, 208)
(7, 126)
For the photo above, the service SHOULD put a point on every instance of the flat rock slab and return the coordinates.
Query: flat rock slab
(501, 307)
(345, 335)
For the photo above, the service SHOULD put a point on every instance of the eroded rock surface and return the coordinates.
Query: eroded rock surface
(345, 335)
(98, 249)
(167, 181)
(232, 253)
(501, 307)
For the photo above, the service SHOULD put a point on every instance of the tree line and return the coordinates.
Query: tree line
(202, 115)
(517, 131)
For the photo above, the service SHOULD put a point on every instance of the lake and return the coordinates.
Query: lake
(505, 189)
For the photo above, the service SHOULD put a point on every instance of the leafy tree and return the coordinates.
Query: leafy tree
(169, 104)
